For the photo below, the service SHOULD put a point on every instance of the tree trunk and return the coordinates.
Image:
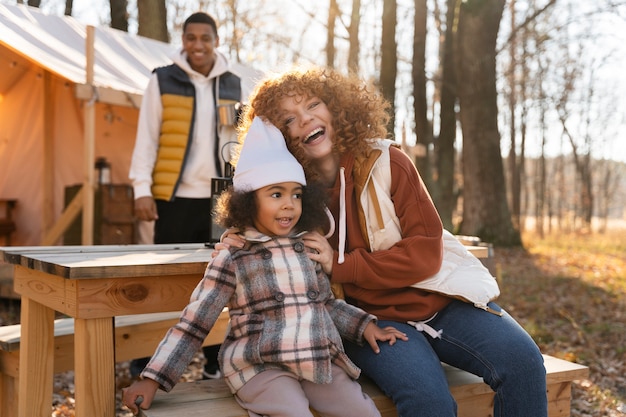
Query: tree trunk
(389, 58)
(34, 3)
(485, 209)
(119, 14)
(353, 33)
(540, 170)
(514, 178)
(423, 128)
(445, 199)
(68, 7)
(152, 19)
(333, 10)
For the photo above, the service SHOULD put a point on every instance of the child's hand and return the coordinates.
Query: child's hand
(145, 388)
(373, 333)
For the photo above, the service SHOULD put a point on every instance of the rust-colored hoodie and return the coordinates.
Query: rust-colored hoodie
(380, 282)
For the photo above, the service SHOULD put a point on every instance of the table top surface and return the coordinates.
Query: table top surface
(76, 262)
(114, 261)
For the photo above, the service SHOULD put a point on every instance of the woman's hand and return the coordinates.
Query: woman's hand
(139, 394)
(323, 252)
(229, 239)
(373, 333)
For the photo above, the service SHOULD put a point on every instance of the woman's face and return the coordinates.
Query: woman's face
(309, 125)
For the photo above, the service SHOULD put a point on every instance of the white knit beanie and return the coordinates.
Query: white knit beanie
(264, 159)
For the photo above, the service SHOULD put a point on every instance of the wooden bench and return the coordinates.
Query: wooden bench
(136, 336)
(212, 398)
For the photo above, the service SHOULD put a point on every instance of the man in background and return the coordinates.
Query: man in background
(180, 142)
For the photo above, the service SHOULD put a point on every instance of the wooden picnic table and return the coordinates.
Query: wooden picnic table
(93, 284)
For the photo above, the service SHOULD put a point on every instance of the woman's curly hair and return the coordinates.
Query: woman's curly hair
(359, 111)
(239, 209)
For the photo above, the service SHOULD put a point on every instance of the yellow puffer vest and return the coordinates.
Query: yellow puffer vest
(173, 142)
(178, 100)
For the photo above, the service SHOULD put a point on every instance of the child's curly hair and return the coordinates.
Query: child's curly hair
(239, 209)
(359, 112)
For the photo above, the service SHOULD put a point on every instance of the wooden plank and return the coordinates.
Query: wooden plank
(8, 396)
(190, 400)
(42, 288)
(105, 297)
(123, 261)
(53, 234)
(136, 336)
(559, 399)
(17, 251)
(474, 398)
(89, 141)
(140, 340)
(6, 281)
(478, 406)
(76, 262)
(152, 294)
(94, 367)
(48, 166)
(36, 359)
(560, 370)
(108, 95)
(126, 328)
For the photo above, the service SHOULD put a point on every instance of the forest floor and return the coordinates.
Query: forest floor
(568, 292)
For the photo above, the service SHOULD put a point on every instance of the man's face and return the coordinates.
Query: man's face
(199, 42)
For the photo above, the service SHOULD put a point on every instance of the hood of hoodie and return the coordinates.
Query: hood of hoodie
(219, 67)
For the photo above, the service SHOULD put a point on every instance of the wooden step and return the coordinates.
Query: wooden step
(212, 398)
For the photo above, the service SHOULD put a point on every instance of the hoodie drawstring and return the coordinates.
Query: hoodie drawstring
(331, 221)
(342, 215)
(423, 326)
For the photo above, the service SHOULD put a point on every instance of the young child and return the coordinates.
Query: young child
(283, 352)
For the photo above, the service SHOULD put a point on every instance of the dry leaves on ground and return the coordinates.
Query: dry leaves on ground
(570, 294)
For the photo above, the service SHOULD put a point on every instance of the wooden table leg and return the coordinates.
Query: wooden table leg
(94, 367)
(36, 359)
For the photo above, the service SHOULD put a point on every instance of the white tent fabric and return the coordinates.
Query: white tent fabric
(57, 44)
(42, 74)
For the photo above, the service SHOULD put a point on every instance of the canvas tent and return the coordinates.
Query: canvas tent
(68, 93)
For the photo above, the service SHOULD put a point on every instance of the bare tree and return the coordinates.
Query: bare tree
(608, 188)
(514, 177)
(540, 171)
(68, 7)
(353, 33)
(580, 143)
(445, 196)
(119, 14)
(152, 19)
(485, 209)
(389, 57)
(423, 128)
(333, 12)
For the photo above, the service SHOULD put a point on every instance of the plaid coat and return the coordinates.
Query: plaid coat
(283, 315)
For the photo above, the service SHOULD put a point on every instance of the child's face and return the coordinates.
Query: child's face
(279, 207)
(309, 125)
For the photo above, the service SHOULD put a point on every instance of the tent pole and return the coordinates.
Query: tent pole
(48, 158)
(90, 116)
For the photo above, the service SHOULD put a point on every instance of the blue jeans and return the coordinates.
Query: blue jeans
(492, 347)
